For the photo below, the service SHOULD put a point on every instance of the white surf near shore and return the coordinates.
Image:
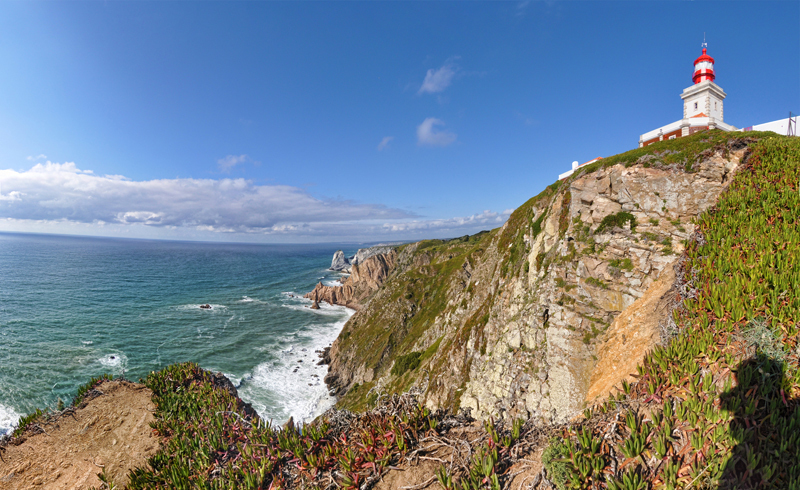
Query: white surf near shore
(291, 385)
(8, 419)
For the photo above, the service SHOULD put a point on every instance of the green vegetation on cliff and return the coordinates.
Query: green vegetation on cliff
(719, 405)
(417, 293)
(453, 290)
(210, 441)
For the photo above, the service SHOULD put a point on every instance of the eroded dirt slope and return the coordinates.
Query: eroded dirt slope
(110, 432)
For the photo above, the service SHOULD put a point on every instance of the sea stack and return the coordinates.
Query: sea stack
(340, 262)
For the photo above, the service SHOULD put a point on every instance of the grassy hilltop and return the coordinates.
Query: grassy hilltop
(715, 406)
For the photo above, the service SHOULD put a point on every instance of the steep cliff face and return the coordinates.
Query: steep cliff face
(515, 322)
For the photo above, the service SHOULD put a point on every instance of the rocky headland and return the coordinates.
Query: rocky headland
(633, 326)
(340, 263)
(534, 319)
(367, 274)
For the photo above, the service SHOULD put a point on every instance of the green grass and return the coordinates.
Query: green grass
(596, 282)
(85, 388)
(419, 294)
(686, 153)
(624, 264)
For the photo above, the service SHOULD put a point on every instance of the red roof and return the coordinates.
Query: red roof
(704, 57)
(590, 161)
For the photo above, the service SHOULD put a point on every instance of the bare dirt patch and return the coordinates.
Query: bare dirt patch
(110, 433)
(454, 451)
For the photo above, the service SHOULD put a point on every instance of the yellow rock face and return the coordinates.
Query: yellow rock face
(631, 335)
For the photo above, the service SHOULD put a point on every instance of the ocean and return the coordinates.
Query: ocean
(76, 307)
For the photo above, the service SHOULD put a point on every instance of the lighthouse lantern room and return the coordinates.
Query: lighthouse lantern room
(702, 105)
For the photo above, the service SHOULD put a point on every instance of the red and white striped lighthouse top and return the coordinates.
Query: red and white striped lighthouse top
(703, 68)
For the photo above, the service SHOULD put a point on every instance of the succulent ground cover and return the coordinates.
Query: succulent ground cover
(718, 405)
(210, 442)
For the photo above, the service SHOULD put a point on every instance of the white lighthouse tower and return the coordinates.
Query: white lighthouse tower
(702, 105)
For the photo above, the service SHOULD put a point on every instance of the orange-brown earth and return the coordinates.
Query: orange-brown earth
(109, 433)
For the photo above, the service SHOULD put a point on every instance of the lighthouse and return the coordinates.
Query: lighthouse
(702, 105)
(704, 97)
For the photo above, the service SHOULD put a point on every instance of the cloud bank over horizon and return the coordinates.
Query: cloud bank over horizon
(61, 198)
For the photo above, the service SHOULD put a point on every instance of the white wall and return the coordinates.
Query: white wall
(780, 126)
(689, 109)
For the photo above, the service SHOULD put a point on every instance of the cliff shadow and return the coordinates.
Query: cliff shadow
(765, 428)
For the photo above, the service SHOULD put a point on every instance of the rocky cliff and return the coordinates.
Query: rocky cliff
(525, 321)
(366, 276)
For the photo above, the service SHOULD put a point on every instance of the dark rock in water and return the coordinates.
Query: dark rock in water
(205, 306)
(334, 383)
(315, 306)
(325, 356)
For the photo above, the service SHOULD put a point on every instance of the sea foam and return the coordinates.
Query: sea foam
(8, 419)
(294, 382)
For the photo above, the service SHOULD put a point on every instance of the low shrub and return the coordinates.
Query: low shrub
(405, 363)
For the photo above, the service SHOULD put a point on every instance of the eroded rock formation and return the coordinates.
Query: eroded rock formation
(525, 321)
(365, 278)
(340, 262)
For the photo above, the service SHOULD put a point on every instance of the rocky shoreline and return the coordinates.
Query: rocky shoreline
(367, 274)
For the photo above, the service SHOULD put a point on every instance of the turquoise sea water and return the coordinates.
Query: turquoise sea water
(76, 307)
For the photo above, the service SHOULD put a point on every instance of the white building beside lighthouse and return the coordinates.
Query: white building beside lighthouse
(702, 106)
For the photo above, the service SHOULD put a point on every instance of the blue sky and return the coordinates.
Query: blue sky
(348, 121)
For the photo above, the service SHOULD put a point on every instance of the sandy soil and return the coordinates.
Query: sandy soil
(108, 433)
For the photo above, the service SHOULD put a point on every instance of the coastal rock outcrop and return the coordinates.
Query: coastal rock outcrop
(365, 253)
(365, 278)
(340, 262)
(517, 322)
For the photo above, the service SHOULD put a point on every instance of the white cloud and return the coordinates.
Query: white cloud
(468, 224)
(438, 80)
(427, 134)
(54, 191)
(40, 157)
(385, 143)
(61, 198)
(230, 161)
